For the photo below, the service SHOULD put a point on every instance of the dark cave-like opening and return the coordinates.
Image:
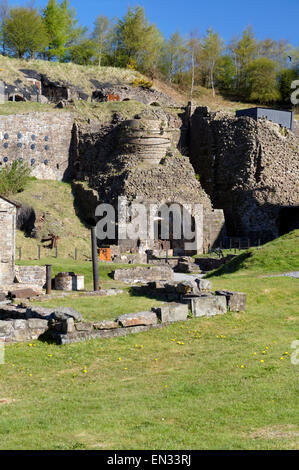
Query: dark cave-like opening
(288, 220)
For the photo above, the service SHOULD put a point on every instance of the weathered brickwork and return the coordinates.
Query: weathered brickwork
(7, 241)
(42, 140)
(250, 170)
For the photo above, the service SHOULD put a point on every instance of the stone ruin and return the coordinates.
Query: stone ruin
(247, 169)
(143, 169)
(8, 213)
(148, 96)
(25, 323)
(250, 170)
(66, 325)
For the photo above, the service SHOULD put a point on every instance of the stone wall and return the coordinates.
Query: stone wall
(143, 95)
(16, 331)
(42, 140)
(31, 275)
(7, 242)
(250, 170)
(144, 274)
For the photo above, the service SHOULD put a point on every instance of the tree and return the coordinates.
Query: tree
(225, 75)
(174, 57)
(286, 77)
(25, 32)
(83, 52)
(243, 51)
(100, 34)
(61, 25)
(212, 48)
(14, 178)
(137, 41)
(4, 12)
(262, 78)
(194, 47)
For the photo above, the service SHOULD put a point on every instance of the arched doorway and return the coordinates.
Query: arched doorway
(173, 229)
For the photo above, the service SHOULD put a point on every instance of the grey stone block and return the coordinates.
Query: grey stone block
(81, 326)
(62, 313)
(208, 306)
(68, 326)
(204, 284)
(20, 324)
(37, 324)
(172, 313)
(236, 301)
(5, 328)
(105, 325)
(136, 319)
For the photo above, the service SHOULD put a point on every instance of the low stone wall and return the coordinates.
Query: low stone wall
(22, 330)
(66, 325)
(31, 275)
(67, 331)
(18, 324)
(144, 274)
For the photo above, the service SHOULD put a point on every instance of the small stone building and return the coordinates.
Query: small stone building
(8, 213)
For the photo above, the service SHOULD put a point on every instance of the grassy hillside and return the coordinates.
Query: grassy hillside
(79, 75)
(279, 256)
(53, 200)
(225, 382)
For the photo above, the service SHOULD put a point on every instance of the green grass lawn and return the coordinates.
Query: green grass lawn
(231, 385)
(278, 256)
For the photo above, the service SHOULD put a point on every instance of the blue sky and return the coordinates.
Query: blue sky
(278, 19)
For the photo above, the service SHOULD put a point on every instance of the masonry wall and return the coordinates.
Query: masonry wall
(250, 170)
(7, 242)
(42, 140)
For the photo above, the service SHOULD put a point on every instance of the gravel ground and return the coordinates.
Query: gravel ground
(294, 274)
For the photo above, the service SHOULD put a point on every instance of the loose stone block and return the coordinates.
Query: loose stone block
(204, 284)
(68, 325)
(172, 312)
(187, 267)
(105, 325)
(236, 301)
(83, 326)
(136, 319)
(62, 313)
(208, 306)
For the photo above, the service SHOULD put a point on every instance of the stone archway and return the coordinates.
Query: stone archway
(173, 226)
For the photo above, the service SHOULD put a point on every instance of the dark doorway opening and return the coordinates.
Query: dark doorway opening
(288, 220)
(17, 98)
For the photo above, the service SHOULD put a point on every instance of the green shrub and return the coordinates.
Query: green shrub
(142, 83)
(14, 178)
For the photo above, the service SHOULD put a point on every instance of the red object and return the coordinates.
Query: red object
(105, 254)
(113, 97)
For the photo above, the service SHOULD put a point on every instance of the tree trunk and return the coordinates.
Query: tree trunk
(193, 72)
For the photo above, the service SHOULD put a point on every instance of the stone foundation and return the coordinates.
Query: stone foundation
(144, 274)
